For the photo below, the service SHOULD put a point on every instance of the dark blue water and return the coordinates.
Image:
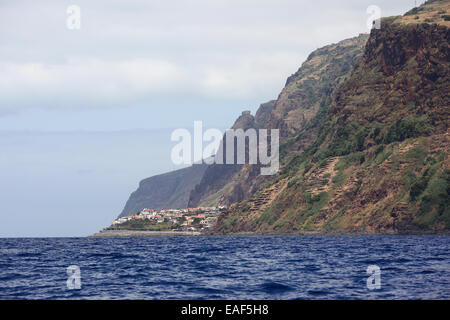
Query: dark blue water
(412, 267)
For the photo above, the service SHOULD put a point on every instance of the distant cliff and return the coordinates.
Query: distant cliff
(166, 191)
(217, 182)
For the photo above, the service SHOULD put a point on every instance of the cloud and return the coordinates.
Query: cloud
(93, 83)
(84, 82)
(135, 52)
(250, 76)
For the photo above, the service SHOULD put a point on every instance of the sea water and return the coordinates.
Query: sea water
(226, 267)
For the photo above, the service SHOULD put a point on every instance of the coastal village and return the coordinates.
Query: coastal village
(188, 219)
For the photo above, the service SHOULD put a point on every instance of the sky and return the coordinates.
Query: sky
(85, 114)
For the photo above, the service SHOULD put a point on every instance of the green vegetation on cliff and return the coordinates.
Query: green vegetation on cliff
(373, 156)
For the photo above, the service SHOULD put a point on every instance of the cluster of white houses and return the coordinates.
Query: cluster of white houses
(186, 219)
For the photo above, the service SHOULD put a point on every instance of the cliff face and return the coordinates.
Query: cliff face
(166, 191)
(404, 72)
(218, 176)
(379, 158)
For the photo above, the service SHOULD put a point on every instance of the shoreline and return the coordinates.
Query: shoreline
(138, 233)
(142, 233)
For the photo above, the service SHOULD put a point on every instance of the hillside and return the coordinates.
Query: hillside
(380, 160)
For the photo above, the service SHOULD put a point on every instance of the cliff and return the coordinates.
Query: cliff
(379, 162)
(306, 94)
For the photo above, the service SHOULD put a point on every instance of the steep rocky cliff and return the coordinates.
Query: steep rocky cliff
(379, 158)
(218, 176)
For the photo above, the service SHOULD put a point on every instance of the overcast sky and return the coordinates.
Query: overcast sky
(146, 64)
(137, 65)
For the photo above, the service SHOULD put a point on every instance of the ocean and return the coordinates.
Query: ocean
(253, 267)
